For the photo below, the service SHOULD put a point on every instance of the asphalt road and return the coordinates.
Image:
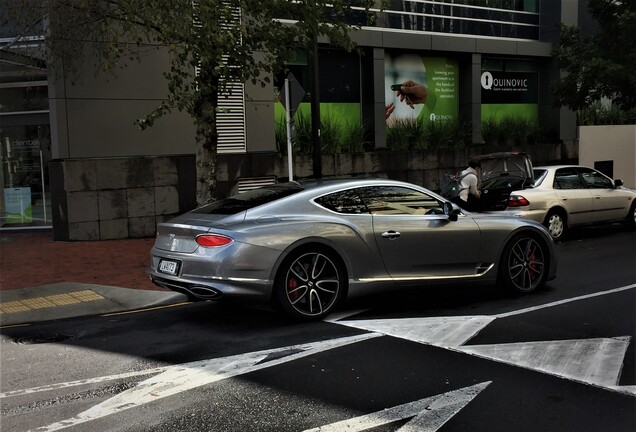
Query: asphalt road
(455, 358)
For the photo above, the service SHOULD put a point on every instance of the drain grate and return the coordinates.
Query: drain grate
(41, 339)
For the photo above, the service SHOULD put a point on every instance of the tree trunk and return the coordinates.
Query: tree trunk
(207, 139)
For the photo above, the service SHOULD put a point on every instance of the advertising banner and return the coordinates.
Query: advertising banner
(509, 94)
(436, 79)
(340, 108)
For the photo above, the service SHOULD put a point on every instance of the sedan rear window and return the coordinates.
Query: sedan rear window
(250, 199)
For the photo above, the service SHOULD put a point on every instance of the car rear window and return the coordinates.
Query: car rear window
(250, 199)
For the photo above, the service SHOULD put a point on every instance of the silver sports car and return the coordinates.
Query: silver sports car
(306, 246)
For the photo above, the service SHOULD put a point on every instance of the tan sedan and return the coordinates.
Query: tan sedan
(564, 196)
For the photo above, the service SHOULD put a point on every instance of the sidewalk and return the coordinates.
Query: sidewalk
(42, 279)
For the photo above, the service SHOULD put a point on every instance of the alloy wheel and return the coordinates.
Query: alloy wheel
(312, 284)
(526, 264)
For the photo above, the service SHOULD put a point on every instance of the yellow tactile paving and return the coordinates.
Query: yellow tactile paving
(49, 301)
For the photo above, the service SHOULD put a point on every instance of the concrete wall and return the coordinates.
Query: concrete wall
(616, 143)
(425, 168)
(114, 198)
(93, 115)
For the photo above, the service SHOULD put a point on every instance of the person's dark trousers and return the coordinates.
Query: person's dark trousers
(472, 205)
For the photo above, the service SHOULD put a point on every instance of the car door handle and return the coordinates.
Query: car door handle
(597, 197)
(391, 235)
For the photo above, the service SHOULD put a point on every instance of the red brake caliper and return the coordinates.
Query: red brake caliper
(291, 286)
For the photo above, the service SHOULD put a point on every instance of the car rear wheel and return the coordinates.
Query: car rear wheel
(556, 224)
(309, 284)
(524, 264)
(630, 219)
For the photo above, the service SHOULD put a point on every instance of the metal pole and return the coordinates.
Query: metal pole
(289, 131)
(43, 190)
(315, 108)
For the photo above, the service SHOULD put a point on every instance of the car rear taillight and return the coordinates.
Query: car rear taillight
(517, 201)
(213, 240)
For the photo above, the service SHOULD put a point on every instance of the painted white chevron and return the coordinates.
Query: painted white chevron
(594, 361)
(428, 415)
(448, 332)
(183, 377)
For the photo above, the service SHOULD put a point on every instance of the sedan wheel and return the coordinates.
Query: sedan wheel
(630, 220)
(310, 285)
(523, 267)
(555, 223)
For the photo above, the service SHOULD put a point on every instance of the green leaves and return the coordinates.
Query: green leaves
(208, 42)
(601, 65)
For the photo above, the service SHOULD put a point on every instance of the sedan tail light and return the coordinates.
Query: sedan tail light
(517, 201)
(213, 240)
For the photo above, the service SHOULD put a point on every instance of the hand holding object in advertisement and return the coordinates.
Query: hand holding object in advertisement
(389, 110)
(411, 93)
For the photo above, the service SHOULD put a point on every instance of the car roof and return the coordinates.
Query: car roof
(339, 183)
(497, 155)
(554, 167)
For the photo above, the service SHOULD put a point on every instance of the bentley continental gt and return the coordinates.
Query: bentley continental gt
(306, 246)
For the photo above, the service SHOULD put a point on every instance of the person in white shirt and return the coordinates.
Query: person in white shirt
(469, 192)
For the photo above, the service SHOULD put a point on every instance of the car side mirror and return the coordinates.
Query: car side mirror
(450, 211)
(618, 183)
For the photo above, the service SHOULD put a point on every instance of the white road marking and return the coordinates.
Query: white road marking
(340, 315)
(177, 379)
(441, 331)
(560, 302)
(592, 361)
(603, 361)
(77, 383)
(428, 414)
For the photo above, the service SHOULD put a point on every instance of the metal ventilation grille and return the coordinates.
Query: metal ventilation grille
(230, 119)
(246, 184)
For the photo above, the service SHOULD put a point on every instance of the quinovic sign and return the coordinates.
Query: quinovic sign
(508, 88)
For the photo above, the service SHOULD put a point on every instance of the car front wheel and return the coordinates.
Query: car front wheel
(556, 225)
(524, 264)
(309, 284)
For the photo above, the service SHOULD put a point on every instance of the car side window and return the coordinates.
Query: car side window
(595, 180)
(346, 202)
(567, 178)
(398, 200)
(539, 176)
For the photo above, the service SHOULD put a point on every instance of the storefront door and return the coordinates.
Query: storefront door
(24, 183)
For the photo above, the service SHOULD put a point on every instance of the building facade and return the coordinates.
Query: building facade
(72, 157)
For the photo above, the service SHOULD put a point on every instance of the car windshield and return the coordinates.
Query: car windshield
(539, 175)
(250, 199)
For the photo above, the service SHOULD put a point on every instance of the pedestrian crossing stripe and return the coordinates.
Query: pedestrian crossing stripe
(49, 301)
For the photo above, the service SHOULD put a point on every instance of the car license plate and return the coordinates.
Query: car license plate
(169, 267)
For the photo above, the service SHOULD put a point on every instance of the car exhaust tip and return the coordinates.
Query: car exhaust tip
(197, 291)
(205, 293)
